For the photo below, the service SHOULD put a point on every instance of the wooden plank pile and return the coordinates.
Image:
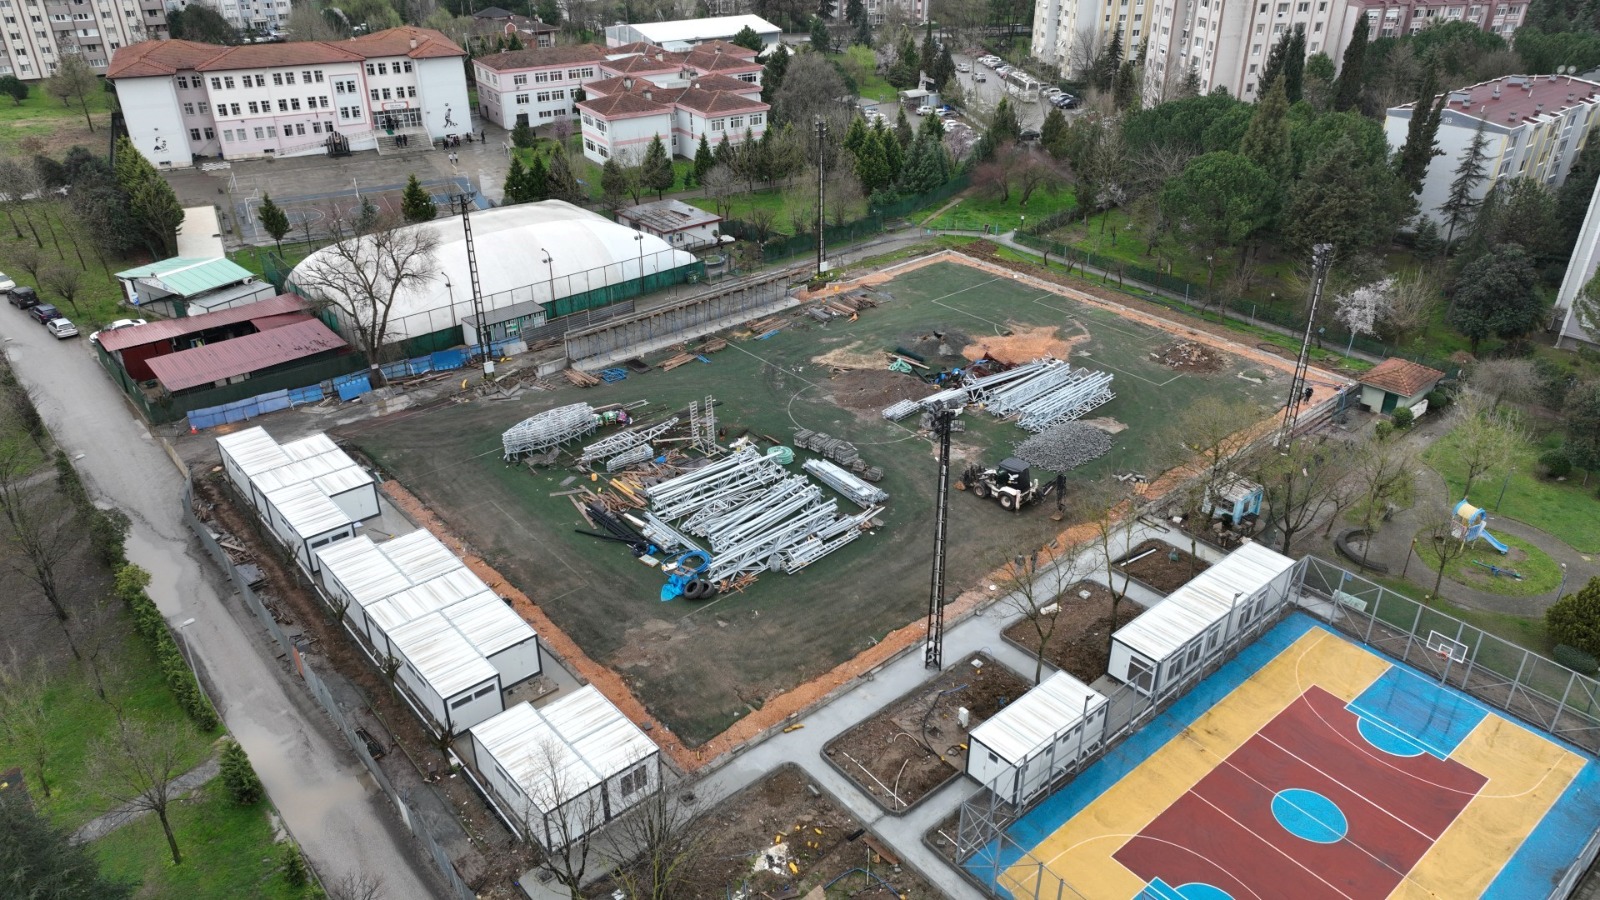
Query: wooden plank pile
(580, 377)
(682, 359)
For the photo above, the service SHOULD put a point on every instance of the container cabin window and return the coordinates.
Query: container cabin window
(634, 781)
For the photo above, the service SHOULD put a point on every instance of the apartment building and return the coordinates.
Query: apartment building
(37, 33)
(1394, 18)
(251, 15)
(184, 101)
(1534, 127)
(623, 115)
(536, 87)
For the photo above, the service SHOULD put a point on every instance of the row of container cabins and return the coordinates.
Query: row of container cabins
(1025, 748)
(552, 773)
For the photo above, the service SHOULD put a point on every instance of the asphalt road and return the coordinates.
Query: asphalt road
(329, 804)
(986, 95)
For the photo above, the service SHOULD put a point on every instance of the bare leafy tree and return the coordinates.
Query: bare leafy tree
(1514, 381)
(1299, 483)
(74, 83)
(762, 219)
(357, 886)
(1383, 471)
(1446, 545)
(373, 260)
(1034, 590)
(1036, 172)
(1218, 431)
(1486, 438)
(64, 282)
(1084, 51)
(1109, 505)
(561, 816)
(664, 837)
(44, 530)
(25, 717)
(1412, 300)
(843, 193)
(138, 767)
(721, 185)
(18, 183)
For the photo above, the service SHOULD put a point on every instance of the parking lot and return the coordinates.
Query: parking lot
(985, 95)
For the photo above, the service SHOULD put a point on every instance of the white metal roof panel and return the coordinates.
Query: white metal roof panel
(438, 652)
(1053, 706)
(1207, 599)
(420, 555)
(588, 736)
(362, 569)
(308, 510)
(299, 471)
(431, 596)
(339, 481)
(702, 29)
(314, 445)
(489, 623)
(253, 450)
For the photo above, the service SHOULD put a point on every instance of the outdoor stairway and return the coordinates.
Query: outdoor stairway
(388, 143)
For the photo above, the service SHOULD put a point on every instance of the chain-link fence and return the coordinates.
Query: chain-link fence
(325, 699)
(778, 247)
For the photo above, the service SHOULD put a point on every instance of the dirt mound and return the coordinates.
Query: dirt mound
(937, 345)
(1190, 356)
(865, 389)
(855, 355)
(1024, 344)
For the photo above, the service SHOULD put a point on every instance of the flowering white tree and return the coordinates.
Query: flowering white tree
(1361, 309)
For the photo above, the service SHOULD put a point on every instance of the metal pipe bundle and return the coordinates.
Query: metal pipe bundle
(898, 411)
(854, 489)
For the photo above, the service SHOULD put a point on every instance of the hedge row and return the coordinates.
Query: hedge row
(131, 582)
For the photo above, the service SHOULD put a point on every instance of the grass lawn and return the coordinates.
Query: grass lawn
(228, 851)
(974, 211)
(54, 128)
(1520, 630)
(98, 299)
(588, 172)
(1540, 574)
(79, 717)
(254, 258)
(1564, 509)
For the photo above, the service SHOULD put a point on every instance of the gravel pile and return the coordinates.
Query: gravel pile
(1064, 447)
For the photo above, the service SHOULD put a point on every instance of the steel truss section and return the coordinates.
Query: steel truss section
(854, 489)
(624, 440)
(548, 429)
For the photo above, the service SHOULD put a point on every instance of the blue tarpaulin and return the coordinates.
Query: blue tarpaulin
(353, 386)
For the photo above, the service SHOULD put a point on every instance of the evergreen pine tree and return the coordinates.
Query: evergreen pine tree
(902, 129)
(1294, 65)
(864, 32)
(1126, 90)
(560, 183)
(704, 161)
(537, 181)
(1274, 66)
(819, 35)
(893, 156)
(872, 167)
(1421, 145)
(1003, 127)
(39, 859)
(515, 188)
(1109, 63)
(725, 153)
(614, 183)
(777, 66)
(1352, 69)
(1460, 206)
(856, 135)
(238, 776)
(274, 220)
(415, 203)
(1266, 140)
(658, 174)
(522, 136)
(1053, 135)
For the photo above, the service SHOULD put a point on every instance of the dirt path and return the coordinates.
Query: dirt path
(185, 785)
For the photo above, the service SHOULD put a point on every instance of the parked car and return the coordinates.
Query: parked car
(1068, 101)
(1054, 92)
(62, 328)
(1028, 134)
(6, 284)
(120, 323)
(981, 78)
(963, 67)
(924, 110)
(23, 297)
(44, 312)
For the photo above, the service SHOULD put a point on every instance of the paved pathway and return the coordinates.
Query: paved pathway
(186, 784)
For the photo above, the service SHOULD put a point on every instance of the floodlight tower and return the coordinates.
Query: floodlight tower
(1321, 261)
(465, 201)
(933, 646)
(822, 138)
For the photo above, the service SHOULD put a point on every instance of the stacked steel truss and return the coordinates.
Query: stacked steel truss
(634, 455)
(1042, 393)
(616, 444)
(854, 489)
(548, 429)
(896, 412)
(753, 515)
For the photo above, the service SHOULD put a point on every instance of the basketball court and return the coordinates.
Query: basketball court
(1311, 767)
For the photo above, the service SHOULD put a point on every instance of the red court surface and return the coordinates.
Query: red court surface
(1229, 830)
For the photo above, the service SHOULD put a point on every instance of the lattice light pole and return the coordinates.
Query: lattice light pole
(465, 201)
(1321, 261)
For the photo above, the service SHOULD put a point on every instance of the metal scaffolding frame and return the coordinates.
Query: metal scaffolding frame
(548, 429)
(624, 440)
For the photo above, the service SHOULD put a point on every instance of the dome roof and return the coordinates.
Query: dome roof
(586, 251)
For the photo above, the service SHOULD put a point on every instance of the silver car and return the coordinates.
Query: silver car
(61, 328)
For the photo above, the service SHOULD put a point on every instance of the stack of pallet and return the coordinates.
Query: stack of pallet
(580, 378)
(676, 361)
(848, 305)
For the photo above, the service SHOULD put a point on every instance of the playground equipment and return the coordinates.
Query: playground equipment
(1498, 571)
(1471, 523)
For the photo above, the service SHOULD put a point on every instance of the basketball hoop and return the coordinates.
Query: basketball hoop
(1444, 654)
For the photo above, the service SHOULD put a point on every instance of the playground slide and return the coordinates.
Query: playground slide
(1494, 542)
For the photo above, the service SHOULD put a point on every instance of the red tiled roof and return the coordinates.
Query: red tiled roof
(727, 48)
(168, 329)
(431, 44)
(631, 49)
(540, 57)
(242, 355)
(1515, 98)
(721, 62)
(715, 82)
(597, 89)
(643, 65)
(159, 58)
(1402, 376)
(718, 102)
(623, 105)
(266, 56)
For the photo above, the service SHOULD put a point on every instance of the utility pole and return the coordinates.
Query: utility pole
(822, 138)
(933, 646)
(1321, 261)
(465, 200)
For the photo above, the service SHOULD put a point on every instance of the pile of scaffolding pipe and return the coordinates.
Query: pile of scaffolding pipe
(1075, 398)
(551, 428)
(854, 489)
(737, 473)
(829, 539)
(630, 457)
(752, 504)
(666, 537)
(624, 440)
(898, 411)
(763, 550)
(1032, 381)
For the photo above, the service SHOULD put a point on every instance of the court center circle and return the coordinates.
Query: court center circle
(1309, 816)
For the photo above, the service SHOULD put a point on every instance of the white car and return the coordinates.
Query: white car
(120, 323)
(6, 284)
(1054, 92)
(61, 328)
(963, 67)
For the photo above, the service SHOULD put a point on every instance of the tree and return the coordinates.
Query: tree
(1581, 416)
(1034, 591)
(1352, 68)
(1298, 483)
(1266, 141)
(1109, 507)
(560, 183)
(1222, 198)
(65, 282)
(1574, 620)
(306, 23)
(1053, 134)
(39, 859)
(902, 129)
(1383, 474)
(201, 23)
(43, 529)
(522, 136)
(1441, 537)
(555, 816)
(616, 182)
(14, 87)
(1422, 133)
(1320, 82)
(1409, 306)
(1514, 381)
(357, 886)
(1273, 69)
(416, 205)
(26, 722)
(658, 174)
(667, 840)
(872, 165)
(820, 41)
(366, 268)
(1108, 64)
(748, 39)
(275, 221)
(1461, 204)
(1294, 65)
(1219, 432)
(703, 160)
(74, 83)
(138, 766)
(1125, 92)
(1003, 127)
(1485, 439)
(721, 185)
(1496, 295)
(151, 201)
(777, 63)
(1341, 201)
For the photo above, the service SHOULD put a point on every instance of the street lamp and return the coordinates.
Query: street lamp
(1211, 271)
(551, 263)
(638, 237)
(1563, 586)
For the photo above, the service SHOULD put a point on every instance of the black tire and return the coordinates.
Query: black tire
(980, 490)
(698, 589)
(1008, 501)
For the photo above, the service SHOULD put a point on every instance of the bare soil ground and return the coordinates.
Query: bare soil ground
(298, 610)
(871, 390)
(915, 745)
(778, 820)
(1160, 570)
(1191, 356)
(1079, 634)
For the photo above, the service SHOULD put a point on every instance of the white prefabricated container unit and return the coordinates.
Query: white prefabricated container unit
(566, 768)
(417, 601)
(309, 446)
(446, 674)
(1020, 750)
(340, 477)
(356, 574)
(1195, 622)
(306, 520)
(248, 453)
(420, 555)
(503, 637)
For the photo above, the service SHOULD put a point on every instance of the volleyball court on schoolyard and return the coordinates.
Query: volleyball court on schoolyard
(1310, 766)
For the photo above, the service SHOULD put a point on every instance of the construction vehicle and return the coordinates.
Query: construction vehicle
(1011, 484)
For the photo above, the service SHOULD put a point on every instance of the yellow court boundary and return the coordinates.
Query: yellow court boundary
(1526, 775)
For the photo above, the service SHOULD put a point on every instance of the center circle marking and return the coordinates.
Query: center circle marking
(1309, 816)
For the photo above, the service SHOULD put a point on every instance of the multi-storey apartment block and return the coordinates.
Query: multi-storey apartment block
(35, 34)
(184, 100)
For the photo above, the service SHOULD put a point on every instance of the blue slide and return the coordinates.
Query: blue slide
(1494, 542)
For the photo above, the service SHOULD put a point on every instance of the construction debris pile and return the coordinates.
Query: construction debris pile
(1034, 395)
(753, 514)
(1064, 447)
(1189, 356)
(549, 429)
